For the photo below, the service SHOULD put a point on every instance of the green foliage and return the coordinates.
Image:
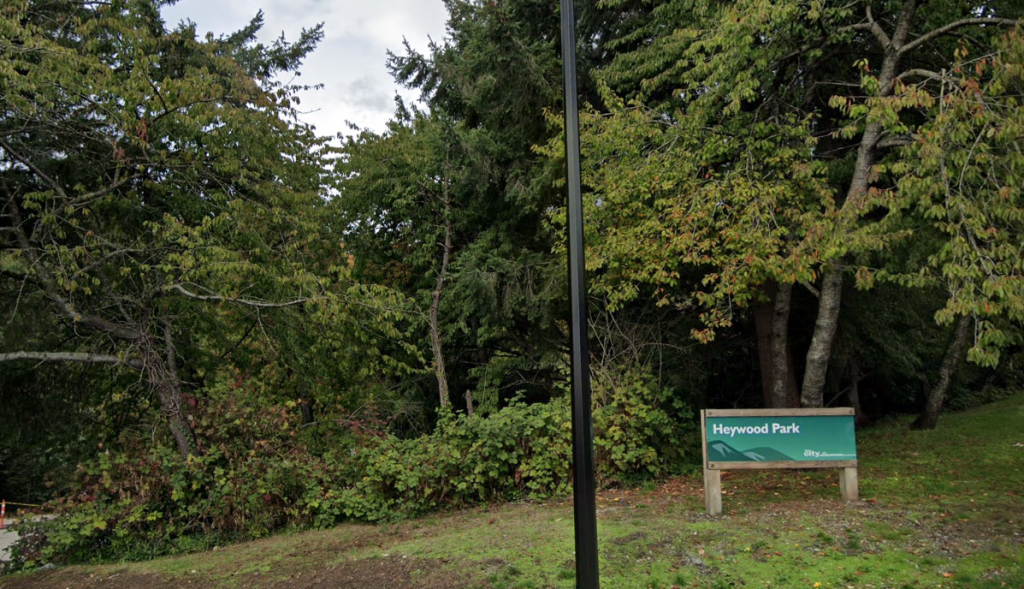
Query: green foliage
(255, 473)
(163, 209)
(641, 430)
(938, 490)
(154, 187)
(161, 206)
(704, 215)
(966, 182)
(250, 479)
(486, 85)
(521, 451)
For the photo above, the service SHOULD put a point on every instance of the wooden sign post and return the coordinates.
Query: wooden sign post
(744, 439)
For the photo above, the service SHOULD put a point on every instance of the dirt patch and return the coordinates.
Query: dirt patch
(64, 579)
(394, 573)
(629, 539)
(702, 568)
(399, 573)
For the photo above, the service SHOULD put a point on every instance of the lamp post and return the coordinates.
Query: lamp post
(584, 494)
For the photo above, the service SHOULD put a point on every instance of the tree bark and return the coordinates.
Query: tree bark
(435, 328)
(85, 357)
(929, 417)
(854, 393)
(163, 376)
(168, 393)
(765, 324)
(780, 346)
(763, 314)
(813, 391)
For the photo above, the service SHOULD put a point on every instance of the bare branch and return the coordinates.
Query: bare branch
(90, 196)
(872, 27)
(922, 73)
(89, 267)
(898, 141)
(1005, 22)
(71, 357)
(28, 164)
(80, 200)
(877, 28)
(246, 302)
(811, 289)
(52, 291)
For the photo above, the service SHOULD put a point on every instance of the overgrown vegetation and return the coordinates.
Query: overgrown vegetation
(219, 325)
(259, 472)
(933, 515)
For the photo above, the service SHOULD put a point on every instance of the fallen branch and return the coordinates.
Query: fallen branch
(86, 357)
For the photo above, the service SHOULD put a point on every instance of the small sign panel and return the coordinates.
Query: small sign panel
(818, 438)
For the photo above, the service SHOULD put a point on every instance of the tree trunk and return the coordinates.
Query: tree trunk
(306, 405)
(781, 374)
(813, 391)
(763, 313)
(162, 374)
(929, 417)
(469, 403)
(765, 323)
(831, 292)
(435, 328)
(169, 395)
(854, 393)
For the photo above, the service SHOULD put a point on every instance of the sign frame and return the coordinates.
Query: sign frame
(848, 484)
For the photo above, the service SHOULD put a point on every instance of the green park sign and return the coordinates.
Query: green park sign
(777, 438)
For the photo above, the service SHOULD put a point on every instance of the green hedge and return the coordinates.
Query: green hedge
(254, 475)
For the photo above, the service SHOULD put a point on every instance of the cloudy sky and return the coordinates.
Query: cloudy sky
(349, 61)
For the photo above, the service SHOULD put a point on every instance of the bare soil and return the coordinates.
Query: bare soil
(393, 573)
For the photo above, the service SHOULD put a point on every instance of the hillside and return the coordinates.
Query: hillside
(937, 514)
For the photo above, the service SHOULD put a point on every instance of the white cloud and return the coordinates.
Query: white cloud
(350, 62)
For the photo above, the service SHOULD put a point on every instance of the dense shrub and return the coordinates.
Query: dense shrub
(642, 429)
(247, 479)
(254, 475)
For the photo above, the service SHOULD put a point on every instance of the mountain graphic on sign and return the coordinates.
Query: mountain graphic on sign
(767, 455)
(719, 451)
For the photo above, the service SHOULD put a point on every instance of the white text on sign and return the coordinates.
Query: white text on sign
(774, 428)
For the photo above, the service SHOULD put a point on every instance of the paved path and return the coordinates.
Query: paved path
(7, 537)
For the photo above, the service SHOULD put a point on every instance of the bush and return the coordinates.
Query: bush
(520, 451)
(641, 431)
(249, 478)
(253, 475)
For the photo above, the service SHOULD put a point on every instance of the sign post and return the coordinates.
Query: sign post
(744, 439)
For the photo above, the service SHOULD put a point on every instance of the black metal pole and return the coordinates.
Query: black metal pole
(584, 494)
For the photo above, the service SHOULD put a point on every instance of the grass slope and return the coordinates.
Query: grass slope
(940, 509)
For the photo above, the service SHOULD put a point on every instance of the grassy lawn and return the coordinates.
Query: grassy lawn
(938, 509)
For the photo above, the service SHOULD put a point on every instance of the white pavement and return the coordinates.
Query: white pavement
(7, 538)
